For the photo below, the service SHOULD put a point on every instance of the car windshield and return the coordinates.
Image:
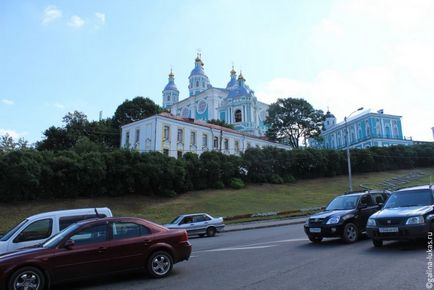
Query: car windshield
(409, 198)
(12, 231)
(176, 220)
(54, 240)
(343, 202)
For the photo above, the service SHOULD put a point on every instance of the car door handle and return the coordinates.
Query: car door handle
(206, 223)
(101, 250)
(191, 224)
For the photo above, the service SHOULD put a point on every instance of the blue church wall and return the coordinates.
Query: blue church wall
(203, 116)
(223, 116)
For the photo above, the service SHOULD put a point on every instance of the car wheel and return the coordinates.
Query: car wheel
(160, 264)
(351, 233)
(315, 240)
(210, 232)
(29, 278)
(377, 243)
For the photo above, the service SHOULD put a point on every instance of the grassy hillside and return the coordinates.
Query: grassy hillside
(252, 199)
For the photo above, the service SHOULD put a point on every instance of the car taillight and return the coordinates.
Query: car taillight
(184, 237)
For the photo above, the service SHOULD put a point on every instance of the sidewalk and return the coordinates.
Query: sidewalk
(264, 224)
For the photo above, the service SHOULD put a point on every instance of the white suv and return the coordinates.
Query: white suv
(38, 228)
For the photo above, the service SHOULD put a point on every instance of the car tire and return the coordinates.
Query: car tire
(351, 233)
(159, 264)
(315, 240)
(211, 231)
(377, 243)
(34, 278)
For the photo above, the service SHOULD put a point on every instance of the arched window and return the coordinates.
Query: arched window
(238, 116)
(197, 84)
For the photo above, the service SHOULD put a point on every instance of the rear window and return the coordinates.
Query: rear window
(66, 221)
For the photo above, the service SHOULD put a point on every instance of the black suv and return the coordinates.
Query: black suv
(345, 216)
(408, 214)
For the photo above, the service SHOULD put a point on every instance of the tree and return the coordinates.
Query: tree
(7, 143)
(220, 123)
(137, 109)
(293, 120)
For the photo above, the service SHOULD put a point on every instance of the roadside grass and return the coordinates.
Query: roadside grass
(227, 202)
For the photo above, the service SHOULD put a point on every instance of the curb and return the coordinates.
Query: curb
(271, 225)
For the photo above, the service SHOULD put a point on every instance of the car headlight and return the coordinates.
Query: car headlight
(333, 220)
(371, 222)
(415, 220)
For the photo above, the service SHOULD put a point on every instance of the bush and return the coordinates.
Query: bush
(219, 185)
(276, 179)
(237, 183)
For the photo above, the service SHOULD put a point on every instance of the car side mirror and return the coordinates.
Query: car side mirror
(69, 244)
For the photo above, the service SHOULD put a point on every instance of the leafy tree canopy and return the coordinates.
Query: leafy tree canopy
(293, 121)
(137, 109)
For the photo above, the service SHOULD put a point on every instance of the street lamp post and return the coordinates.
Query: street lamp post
(347, 139)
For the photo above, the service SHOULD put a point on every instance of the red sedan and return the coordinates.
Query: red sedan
(95, 247)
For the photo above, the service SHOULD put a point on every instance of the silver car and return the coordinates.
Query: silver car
(197, 224)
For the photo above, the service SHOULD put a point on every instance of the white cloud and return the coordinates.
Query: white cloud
(76, 21)
(59, 106)
(329, 27)
(14, 134)
(100, 17)
(7, 102)
(51, 13)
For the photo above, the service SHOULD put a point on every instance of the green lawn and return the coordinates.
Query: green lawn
(252, 199)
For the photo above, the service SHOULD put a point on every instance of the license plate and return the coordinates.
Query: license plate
(388, 230)
(315, 230)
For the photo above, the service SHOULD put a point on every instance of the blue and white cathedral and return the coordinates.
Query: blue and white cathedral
(236, 104)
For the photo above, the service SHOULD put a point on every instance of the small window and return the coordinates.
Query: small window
(166, 152)
(216, 142)
(127, 139)
(193, 138)
(90, 235)
(180, 136)
(179, 154)
(237, 146)
(137, 138)
(128, 230)
(238, 116)
(197, 84)
(166, 132)
(226, 144)
(37, 230)
(168, 98)
(204, 140)
(249, 145)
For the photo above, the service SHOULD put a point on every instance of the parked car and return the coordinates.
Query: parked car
(197, 224)
(345, 216)
(95, 247)
(40, 227)
(408, 214)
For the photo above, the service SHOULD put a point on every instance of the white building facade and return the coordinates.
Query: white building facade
(174, 136)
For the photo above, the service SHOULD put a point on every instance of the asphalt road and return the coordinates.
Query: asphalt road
(282, 258)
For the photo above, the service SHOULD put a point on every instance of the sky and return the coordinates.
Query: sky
(91, 55)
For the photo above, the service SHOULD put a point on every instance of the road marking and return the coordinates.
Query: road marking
(238, 248)
(256, 246)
